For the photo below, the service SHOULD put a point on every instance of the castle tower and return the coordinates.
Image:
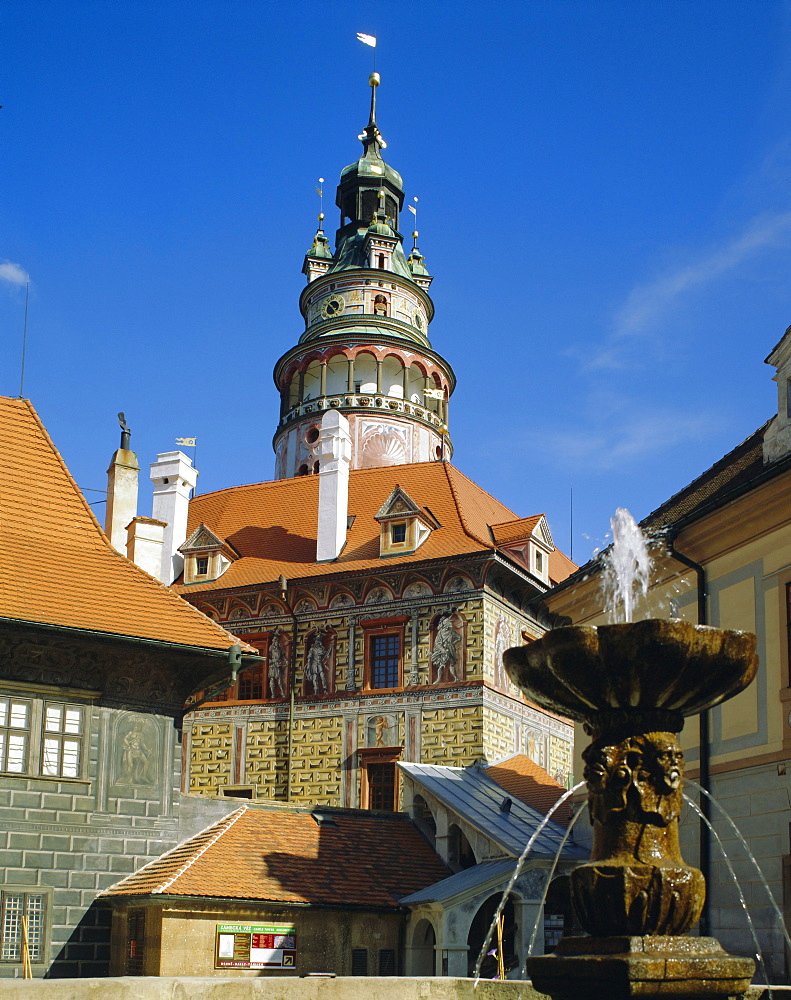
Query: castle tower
(365, 350)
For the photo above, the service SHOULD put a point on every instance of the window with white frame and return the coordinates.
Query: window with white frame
(17, 908)
(61, 753)
(15, 716)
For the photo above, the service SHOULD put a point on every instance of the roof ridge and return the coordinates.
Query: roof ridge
(224, 826)
(500, 503)
(173, 850)
(465, 527)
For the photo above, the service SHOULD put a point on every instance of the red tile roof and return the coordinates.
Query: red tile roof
(357, 859)
(57, 566)
(273, 524)
(522, 778)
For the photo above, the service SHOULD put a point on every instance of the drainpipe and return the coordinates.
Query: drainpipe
(705, 738)
(292, 681)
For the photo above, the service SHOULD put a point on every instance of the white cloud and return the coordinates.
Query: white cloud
(13, 274)
(626, 439)
(647, 303)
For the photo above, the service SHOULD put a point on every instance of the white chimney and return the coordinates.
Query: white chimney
(121, 491)
(144, 540)
(335, 457)
(173, 478)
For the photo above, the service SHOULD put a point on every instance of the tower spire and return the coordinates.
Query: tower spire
(371, 136)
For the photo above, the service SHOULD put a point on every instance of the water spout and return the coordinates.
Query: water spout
(627, 566)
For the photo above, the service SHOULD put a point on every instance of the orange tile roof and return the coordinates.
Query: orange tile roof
(515, 531)
(57, 566)
(524, 779)
(359, 859)
(273, 524)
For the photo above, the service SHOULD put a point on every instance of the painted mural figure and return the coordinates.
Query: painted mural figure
(316, 664)
(501, 643)
(135, 756)
(276, 670)
(446, 648)
(382, 729)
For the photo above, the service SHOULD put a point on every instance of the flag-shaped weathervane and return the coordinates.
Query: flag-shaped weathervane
(187, 442)
(367, 39)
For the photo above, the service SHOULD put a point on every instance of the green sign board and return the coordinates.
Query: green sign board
(256, 946)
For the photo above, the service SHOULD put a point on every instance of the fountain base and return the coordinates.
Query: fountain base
(653, 966)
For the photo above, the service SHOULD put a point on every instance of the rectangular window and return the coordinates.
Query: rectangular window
(201, 565)
(135, 938)
(16, 905)
(61, 753)
(398, 533)
(14, 735)
(359, 961)
(385, 660)
(387, 963)
(381, 782)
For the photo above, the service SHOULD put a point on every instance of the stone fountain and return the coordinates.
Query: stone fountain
(631, 686)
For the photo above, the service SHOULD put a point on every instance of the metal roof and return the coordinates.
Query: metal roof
(475, 797)
(469, 878)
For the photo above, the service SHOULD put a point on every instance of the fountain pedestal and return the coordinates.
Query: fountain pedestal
(631, 686)
(651, 966)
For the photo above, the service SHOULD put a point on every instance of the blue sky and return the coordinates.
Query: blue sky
(604, 202)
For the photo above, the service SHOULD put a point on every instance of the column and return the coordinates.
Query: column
(301, 389)
(414, 677)
(350, 376)
(351, 667)
(323, 380)
(379, 377)
(405, 381)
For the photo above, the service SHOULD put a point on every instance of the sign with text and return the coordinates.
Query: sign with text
(256, 946)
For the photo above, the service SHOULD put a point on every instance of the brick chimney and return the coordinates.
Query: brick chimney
(335, 456)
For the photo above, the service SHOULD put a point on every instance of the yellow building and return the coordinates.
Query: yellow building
(723, 557)
(380, 583)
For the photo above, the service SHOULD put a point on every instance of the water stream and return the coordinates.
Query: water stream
(758, 952)
(522, 858)
(540, 911)
(750, 856)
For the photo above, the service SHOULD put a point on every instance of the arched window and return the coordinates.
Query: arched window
(460, 852)
(479, 928)
(423, 954)
(424, 820)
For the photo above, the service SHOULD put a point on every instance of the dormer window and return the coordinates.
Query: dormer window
(206, 556)
(403, 525)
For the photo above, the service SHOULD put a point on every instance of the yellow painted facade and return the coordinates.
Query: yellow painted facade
(315, 749)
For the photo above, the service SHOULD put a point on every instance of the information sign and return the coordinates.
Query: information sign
(256, 946)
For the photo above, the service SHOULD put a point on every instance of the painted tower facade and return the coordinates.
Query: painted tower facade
(365, 350)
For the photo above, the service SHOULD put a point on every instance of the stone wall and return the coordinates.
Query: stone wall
(267, 988)
(66, 839)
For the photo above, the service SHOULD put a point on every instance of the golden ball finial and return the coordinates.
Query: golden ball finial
(374, 79)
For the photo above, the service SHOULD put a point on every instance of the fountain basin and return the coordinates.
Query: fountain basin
(651, 673)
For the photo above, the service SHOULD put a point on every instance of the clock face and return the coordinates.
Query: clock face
(334, 306)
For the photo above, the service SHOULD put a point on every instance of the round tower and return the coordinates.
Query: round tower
(365, 350)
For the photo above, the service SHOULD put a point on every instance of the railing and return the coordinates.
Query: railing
(374, 402)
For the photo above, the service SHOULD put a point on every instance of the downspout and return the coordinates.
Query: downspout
(705, 737)
(292, 681)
